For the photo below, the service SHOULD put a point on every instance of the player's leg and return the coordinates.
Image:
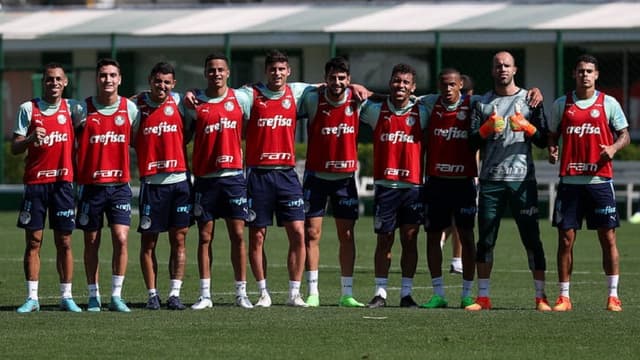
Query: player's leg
(437, 225)
(118, 214)
(611, 266)
(408, 262)
(31, 262)
(205, 210)
(313, 232)
(177, 261)
(456, 252)
(235, 229)
(149, 267)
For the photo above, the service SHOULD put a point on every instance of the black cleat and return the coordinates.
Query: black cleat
(407, 302)
(377, 302)
(153, 303)
(174, 303)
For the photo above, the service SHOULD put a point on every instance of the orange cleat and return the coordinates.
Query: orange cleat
(482, 303)
(563, 304)
(542, 304)
(614, 304)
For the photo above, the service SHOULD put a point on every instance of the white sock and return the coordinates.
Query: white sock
(381, 287)
(406, 287)
(294, 289)
(205, 288)
(347, 285)
(456, 262)
(539, 285)
(483, 287)
(94, 290)
(467, 287)
(241, 288)
(564, 288)
(32, 290)
(174, 287)
(116, 285)
(65, 290)
(312, 282)
(438, 286)
(152, 292)
(612, 284)
(262, 286)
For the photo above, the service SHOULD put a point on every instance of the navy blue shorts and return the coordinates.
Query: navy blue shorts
(342, 193)
(163, 207)
(220, 197)
(595, 202)
(274, 191)
(96, 201)
(448, 199)
(57, 198)
(395, 207)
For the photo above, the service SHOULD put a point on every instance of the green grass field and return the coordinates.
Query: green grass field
(513, 330)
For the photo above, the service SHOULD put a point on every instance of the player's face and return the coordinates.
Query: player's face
(449, 86)
(504, 69)
(401, 86)
(161, 86)
(337, 83)
(54, 81)
(586, 75)
(217, 73)
(108, 79)
(277, 74)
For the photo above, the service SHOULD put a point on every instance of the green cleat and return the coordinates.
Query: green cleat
(117, 304)
(435, 302)
(466, 301)
(349, 301)
(29, 306)
(313, 300)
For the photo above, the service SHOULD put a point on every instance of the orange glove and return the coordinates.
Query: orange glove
(519, 123)
(494, 125)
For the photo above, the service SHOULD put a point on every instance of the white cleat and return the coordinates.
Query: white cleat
(244, 302)
(264, 300)
(297, 301)
(202, 303)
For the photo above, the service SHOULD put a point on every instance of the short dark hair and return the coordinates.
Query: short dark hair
(338, 63)
(51, 65)
(587, 58)
(467, 83)
(216, 56)
(105, 62)
(403, 69)
(163, 68)
(274, 56)
(449, 70)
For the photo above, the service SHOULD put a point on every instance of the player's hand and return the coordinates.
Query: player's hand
(520, 123)
(38, 135)
(534, 97)
(190, 100)
(361, 92)
(553, 154)
(606, 153)
(493, 125)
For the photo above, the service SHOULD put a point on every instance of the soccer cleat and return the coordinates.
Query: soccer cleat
(202, 303)
(67, 304)
(313, 300)
(377, 302)
(296, 301)
(563, 304)
(435, 302)
(542, 304)
(94, 304)
(635, 218)
(614, 304)
(455, 270)
(117, 304)
(349, 301)
(408, 302)
(153, 303)
(264, 300)
(244, 302)
(466, 301)
(481, 303)
(29, 306)
(174, 303)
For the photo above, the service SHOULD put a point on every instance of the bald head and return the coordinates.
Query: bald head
(503, 71)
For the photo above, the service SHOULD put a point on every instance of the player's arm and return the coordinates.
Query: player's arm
(537, 130)
(534, 97)
(617, 121)
(21, 139)
(608, 151)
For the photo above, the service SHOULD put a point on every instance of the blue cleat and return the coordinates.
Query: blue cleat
(117, 304)
(67, 304)
(174, 303)
(29, 306)
(94, 304)
(153, 303)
